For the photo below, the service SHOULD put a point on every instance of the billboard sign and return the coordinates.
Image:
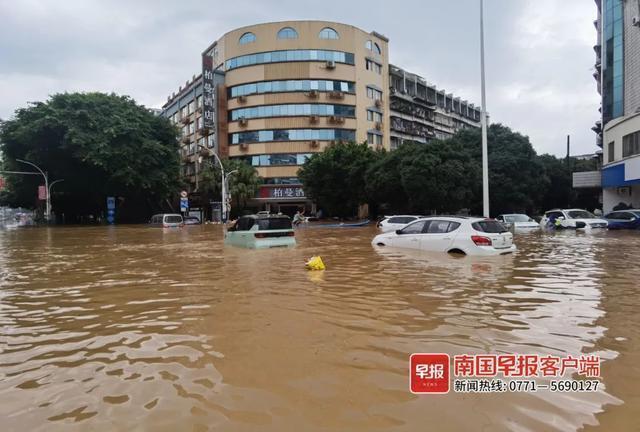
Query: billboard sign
(208, 92)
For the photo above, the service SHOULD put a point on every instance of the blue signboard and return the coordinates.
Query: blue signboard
(184, 204)
(111, 210)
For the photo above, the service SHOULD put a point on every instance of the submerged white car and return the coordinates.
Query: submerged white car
(571, 219)
(519, 222)
(457, 234)
(261, 231)
(392, 223)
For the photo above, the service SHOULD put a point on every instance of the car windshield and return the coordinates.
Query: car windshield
(517, 218)
(489, 226)
(274, 224)
(580, 214)
(173, 219)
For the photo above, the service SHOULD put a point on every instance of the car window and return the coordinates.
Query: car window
(489, 226)
(517, 218)
(554, 214)
(414, 228)
(173, 219)
(401, 220)
(441, 227)
(580, 214)
(244, 224)
(280, 223)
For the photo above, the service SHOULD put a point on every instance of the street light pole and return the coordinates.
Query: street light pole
(483, 120)
(46, 187)
(224, 186)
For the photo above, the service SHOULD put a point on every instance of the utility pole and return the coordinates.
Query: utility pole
(483, 119)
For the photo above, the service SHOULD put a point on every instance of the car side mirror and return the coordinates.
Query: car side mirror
(399, 232)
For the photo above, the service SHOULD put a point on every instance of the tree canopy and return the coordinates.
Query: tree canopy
(243, 185)
(336, 178)
(100, 144)
(440, 177)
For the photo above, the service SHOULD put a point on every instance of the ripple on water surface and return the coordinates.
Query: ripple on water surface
(132, 327)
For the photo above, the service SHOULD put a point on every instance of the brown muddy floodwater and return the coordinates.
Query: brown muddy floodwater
(137, 328)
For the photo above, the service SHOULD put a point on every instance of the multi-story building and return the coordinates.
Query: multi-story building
(288, 90)
(618, 76)
(420, 112)
(184, 109)
(283, 91)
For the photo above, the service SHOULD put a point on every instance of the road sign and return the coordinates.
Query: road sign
(111, 219)
(184, 194)
(184, 204)
(111, 203)
(42, 192)
(1, 183)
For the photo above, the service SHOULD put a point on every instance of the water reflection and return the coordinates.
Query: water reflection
(133, 327)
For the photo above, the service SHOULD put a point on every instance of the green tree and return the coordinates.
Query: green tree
(101, 145)
(243, 185)
(516, 180)
(336, 178)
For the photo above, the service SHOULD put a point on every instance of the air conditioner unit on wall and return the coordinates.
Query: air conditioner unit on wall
(330, 64)
(635, 21)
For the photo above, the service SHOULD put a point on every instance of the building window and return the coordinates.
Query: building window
(376, 48)
(610, 151)
(288, 110)
(373, 66)
(281, 180)
(199, 101)
(612, 60)
(328, 33)
(211, 141)
(246, 38)
(291, 86)
(287, 33)
(292, 135)
(369, 45)
(631, 144)
(374, 94)
(374, 116)
(277, 159)
(290, 56)
(199, 122)
(374, 139)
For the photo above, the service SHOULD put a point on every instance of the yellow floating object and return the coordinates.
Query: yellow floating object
(315, 263)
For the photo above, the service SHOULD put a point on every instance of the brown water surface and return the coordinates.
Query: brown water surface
(136, 328)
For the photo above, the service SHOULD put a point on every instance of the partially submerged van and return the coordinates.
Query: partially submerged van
(167, 220)
(261, 231)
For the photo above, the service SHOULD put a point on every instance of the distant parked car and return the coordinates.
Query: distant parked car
(191, 220)
(392, 223)
(624, 219)
(167, 220)
(470, 236)
(571, 219)
(519, 222)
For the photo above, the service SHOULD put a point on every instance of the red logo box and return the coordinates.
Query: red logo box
(429, 373)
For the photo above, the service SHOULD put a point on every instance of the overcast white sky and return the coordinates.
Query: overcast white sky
(539, 52)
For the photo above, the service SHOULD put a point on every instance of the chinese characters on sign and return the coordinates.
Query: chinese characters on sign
(42, 193)
(208, 92)
(281, 192)
(504, 372)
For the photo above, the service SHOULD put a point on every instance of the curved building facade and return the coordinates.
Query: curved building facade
(273, 94)
(291, 89)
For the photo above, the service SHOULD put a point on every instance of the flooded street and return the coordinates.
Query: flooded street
(135, 328)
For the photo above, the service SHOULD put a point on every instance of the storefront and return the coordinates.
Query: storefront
(285, 199)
